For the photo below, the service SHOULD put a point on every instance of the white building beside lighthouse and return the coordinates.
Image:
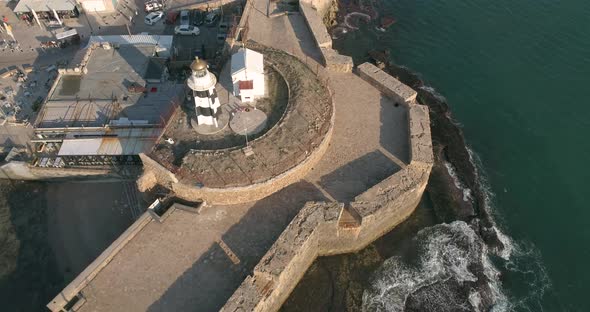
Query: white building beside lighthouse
(202, 82)
(247, 75)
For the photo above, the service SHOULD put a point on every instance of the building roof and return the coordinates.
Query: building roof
(163, 43)
(111, 146)
(72, 113)
(65, 34)
(246, 59)
(198, 64)
(44, 5)
(103, 93)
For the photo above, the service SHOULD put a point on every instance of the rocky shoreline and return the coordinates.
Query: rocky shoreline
(455, 186)
(455, 204)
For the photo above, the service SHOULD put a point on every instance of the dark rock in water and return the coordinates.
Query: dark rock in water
(430, 298)
(334, 283)
(450, 201)
(452, 274)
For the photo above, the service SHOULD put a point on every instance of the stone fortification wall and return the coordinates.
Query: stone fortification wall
(84, 278)
(313, 17)
(19, 170)
(156, 173)
(253, 192)
(322, 229)
(321, 6)
(316, 136)
(386, 84)
(316, 25)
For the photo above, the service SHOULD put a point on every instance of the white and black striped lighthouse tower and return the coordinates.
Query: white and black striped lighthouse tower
(202, 82)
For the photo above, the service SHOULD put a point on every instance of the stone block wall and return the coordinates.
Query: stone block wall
(316, 25)
(386, 83)
(313, 17)
(321, 6)
(317, 230)
(83, 279)
(19, 170)
(154, 172)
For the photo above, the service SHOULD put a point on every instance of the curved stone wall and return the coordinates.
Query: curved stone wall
(322, 229)
(316, 133)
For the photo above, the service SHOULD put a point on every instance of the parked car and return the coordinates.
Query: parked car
(152, 6)
(187, 30)
(212, 17)
(198, 17)
(223, 27)
(171, 17)
(184, 18)
(153, 17)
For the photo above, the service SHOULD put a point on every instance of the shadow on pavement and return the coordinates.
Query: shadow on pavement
(352, 179)
(213, 278)
(394, 136)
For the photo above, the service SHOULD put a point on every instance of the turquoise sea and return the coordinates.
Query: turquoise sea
(515, 74)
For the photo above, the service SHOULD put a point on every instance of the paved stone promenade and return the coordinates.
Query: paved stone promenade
(189, 261)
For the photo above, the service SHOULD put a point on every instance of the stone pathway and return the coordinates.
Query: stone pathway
(199, 260)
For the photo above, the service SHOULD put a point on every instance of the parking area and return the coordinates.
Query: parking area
(28, 66)
(213, 27)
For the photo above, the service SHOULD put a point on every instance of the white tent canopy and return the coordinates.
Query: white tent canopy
(44, 5)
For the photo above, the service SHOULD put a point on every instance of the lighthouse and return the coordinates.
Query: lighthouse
(202, 82)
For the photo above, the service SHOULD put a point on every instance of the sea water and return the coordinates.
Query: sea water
(515, 74)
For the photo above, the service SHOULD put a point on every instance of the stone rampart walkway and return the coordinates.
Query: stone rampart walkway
(181, 265)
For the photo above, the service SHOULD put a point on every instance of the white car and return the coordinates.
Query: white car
(187, 30)
(152, 6)
(153, 17)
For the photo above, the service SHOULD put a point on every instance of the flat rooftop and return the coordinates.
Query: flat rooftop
(101, 94)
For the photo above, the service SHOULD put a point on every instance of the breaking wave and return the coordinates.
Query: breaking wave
(454, 271)
(351, 20)
(458, 184)
(452, 274)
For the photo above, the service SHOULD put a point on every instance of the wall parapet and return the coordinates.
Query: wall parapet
(317, 230)
(313, 17)
(386, 83)
(84, 278)
(322, 123)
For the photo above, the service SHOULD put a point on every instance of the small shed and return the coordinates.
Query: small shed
(247, 75)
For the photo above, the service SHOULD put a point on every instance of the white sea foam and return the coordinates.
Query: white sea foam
(432, 91)
(518, 259)
(475, 300)
(458, 183)
(362, 16)
(339, 32)
(448, 250)
(521, 258)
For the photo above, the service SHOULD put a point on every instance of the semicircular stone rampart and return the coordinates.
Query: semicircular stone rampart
(281, 156)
